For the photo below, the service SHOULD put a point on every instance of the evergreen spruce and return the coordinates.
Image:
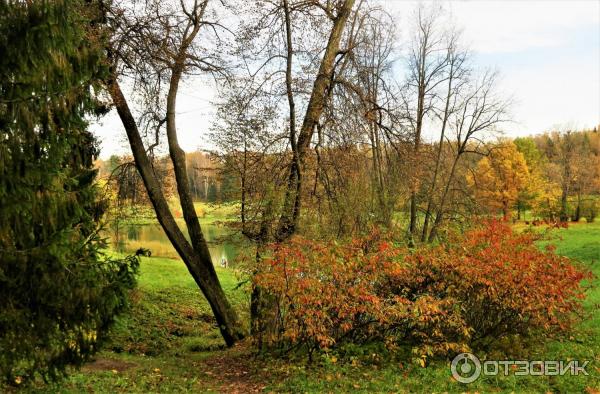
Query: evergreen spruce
(58, 293)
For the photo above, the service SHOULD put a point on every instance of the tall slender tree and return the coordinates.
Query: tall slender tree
(427, 61)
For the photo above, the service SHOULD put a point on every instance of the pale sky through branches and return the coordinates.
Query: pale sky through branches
(547, 54)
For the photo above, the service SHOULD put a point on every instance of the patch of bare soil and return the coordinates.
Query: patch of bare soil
(236, 370)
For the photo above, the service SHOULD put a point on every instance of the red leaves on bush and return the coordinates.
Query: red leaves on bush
(324, 291)
(488, 283)
(499, 284)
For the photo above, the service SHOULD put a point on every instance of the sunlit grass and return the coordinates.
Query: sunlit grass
(170, 328)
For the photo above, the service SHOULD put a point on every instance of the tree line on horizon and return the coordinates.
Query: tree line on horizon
(553, 176)
(207, 181)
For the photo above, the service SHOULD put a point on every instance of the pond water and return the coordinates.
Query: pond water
(127, 238)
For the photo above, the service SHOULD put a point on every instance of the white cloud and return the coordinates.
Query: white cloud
(546, 52)
(510, 26)
(564, 92)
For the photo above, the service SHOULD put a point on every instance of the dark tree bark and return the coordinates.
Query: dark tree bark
(263, 306)
(157, 46)
(316, 104)
(196, 258)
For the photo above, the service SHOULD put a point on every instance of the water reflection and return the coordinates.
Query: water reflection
(127, 238)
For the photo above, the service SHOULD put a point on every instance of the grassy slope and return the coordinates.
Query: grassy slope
(169, 343)
(162, 343)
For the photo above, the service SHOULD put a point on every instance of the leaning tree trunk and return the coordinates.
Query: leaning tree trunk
(196, 256)
(316, 105)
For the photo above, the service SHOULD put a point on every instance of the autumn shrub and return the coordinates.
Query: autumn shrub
(325, 291)
(467, 293)
(495, 283)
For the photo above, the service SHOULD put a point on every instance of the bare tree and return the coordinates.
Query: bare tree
(288, 53)
(373, 105)
(338, 12)
(250, 150)
(294, 68)
(480, 110)
(457, 73)
(427, 61)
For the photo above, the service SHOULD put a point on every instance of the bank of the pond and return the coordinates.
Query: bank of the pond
(206, 212)
(223, 242)
(169, 343)
(138, 228)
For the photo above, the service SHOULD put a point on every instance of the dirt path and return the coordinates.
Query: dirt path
(236, 371)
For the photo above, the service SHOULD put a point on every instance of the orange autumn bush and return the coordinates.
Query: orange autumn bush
(497, 283)
(466, 293)
(327, 291)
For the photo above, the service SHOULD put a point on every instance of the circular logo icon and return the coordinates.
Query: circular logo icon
(466, 368)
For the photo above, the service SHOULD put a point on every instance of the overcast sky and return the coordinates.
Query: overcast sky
(547, 53)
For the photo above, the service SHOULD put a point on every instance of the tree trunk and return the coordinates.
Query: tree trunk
(316, 104)
(578, 209)
(438, 158)
(564, 204)
(418, 130)
(440, 213)
(414, 185)
(198, 260)
(263, 306)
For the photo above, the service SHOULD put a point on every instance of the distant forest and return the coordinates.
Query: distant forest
(208, 181)
(559, 175)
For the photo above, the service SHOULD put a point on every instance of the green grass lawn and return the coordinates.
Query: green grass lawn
(163, 342)
(169, 343)
(207, 212)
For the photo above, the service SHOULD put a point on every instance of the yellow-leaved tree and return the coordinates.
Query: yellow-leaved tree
(541, 194)
(499, 177)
